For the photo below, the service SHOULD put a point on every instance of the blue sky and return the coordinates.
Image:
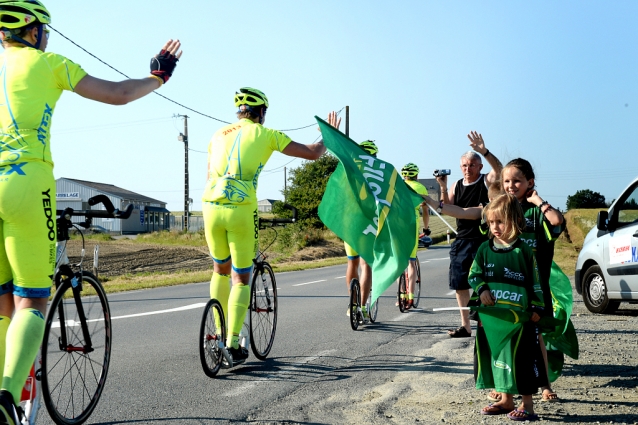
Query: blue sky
(551, 82)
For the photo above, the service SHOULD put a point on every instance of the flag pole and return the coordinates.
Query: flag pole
(442, 219)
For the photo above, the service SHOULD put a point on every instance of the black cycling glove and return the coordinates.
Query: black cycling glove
(163, 65)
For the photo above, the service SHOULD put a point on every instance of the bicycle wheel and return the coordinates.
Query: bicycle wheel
(417, 285)
(263, 311)
(355, 298)
(212, 331)
(76, 351)
(372, 309)
(402, 293)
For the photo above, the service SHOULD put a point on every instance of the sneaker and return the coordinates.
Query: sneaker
(239, 355)
(364, 311)
(409, 304)
(8, 412)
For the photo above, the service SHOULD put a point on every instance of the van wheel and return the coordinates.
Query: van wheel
(595, 292)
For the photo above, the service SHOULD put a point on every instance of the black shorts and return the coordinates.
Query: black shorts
(462, 253)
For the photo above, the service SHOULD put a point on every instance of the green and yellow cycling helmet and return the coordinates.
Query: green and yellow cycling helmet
(370, 147)
(251, 97)
(17, 14)
(410, 170)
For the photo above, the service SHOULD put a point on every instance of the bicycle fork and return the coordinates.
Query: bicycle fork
(76, 287)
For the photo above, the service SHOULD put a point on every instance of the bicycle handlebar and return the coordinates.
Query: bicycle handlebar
(274, 221)
(110, 212)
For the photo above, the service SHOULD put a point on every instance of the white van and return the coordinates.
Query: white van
(607, 266)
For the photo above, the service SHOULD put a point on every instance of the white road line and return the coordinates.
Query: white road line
(438, 259)
(340, 277)
(240, 391)
(451, 293)
(308, 283)
(149, 313)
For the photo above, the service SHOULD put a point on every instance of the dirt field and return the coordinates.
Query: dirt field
(124, 256)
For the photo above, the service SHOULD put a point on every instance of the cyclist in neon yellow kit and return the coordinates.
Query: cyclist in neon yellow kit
(31, 82)
(355, 260)
(410, 173)
(237, 154)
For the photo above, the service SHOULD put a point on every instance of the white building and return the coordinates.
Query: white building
(148, 215)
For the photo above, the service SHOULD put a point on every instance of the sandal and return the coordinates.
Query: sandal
(459, 332)
(494, 409)
(522, 415)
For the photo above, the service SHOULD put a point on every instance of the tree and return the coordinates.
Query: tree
(306, 188)
(586, 199)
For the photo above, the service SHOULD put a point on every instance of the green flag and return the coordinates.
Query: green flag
(368, 205)
(501, 323)
(562, 338)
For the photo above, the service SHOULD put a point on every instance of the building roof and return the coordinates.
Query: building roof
(112, 190)
(269, 201)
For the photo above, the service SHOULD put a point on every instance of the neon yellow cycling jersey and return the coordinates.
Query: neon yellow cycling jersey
(417, 187)
(237, 155)
(31, 82)
(421, 190)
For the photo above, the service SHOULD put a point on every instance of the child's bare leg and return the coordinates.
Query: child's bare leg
(547, 393)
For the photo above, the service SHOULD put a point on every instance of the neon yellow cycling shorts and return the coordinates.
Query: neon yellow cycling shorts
(350, 252)
(27, 229)
(232, 232)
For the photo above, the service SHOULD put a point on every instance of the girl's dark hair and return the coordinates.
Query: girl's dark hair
(523, 166)
(509, 209)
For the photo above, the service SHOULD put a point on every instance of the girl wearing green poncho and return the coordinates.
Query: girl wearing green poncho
(505, 277)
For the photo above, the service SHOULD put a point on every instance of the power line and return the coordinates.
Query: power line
(161, 95)
(116, 125)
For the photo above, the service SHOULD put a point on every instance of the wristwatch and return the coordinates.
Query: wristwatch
(440, 208)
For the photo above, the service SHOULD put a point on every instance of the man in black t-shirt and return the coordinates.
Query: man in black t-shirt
(470, 191)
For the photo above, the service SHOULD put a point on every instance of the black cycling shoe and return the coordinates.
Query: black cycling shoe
(239, 355)
(8, 412)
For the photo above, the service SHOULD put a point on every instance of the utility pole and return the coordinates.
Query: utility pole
(183, 137)
(285, 185)
(347, 121)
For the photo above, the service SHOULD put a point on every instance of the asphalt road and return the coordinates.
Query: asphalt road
(156, 376)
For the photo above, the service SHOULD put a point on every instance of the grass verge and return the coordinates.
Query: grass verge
(156, 280)
(579, 222)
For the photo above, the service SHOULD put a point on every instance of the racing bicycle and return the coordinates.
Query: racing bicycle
(260, 330)
(402, 292)
(356, 313)
(76, 349)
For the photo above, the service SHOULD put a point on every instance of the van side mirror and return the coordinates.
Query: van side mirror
(602, 220)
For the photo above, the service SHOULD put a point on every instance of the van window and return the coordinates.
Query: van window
(628, 212)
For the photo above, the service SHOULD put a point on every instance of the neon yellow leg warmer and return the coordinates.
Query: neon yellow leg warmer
(24, 338)
(237, 306)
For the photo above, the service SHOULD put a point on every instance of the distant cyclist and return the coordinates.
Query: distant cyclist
(355, 260)
(32, 82)
(237, 154)
(410, 174)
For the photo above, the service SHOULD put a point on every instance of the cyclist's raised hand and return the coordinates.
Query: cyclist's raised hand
(163, 64)
(333, 120)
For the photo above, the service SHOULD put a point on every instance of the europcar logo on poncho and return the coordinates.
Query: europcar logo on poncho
(502, 365)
